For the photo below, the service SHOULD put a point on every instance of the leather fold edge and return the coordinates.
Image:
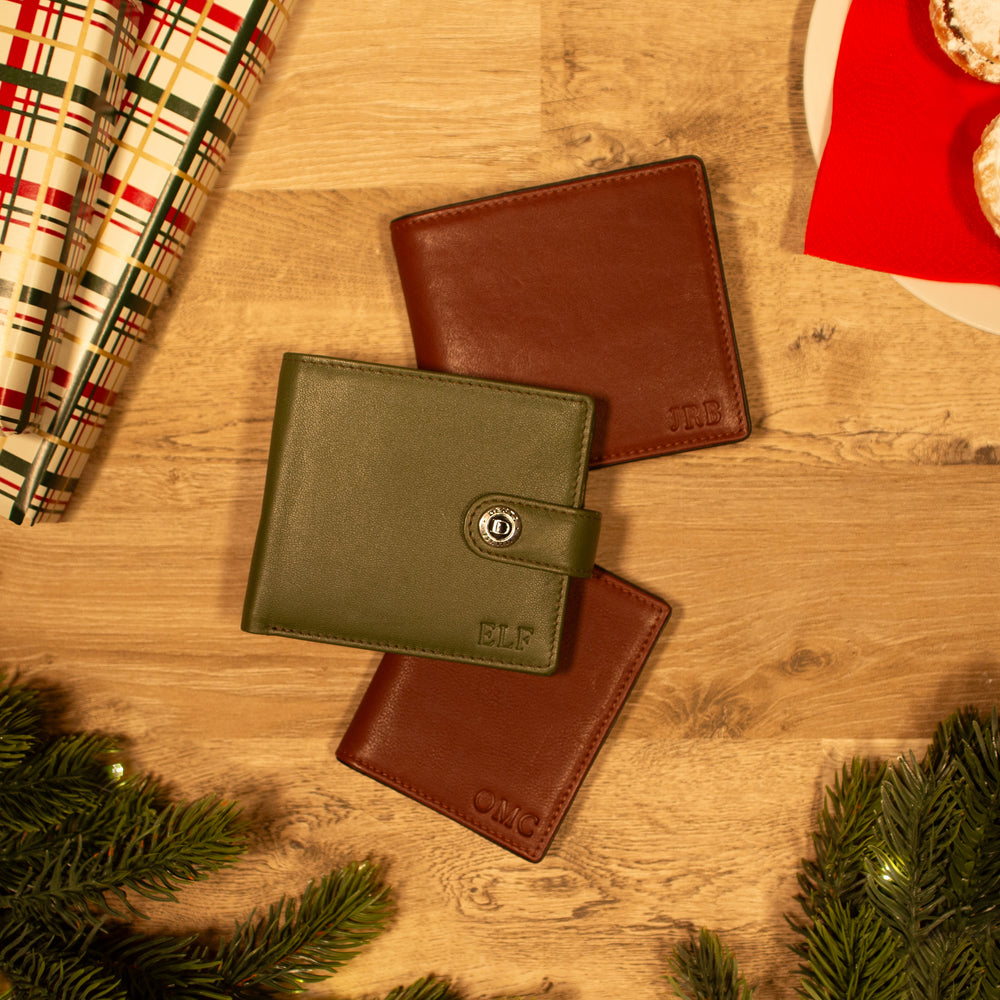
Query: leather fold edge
(547, 536)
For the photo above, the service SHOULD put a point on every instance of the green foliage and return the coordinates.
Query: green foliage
(424, 989)
(705, 969)
(840, 842)
(81, 847)
(902, 898)
(21, 715)
(305, 940)
(851, 955)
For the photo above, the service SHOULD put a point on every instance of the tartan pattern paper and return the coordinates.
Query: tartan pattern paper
(195, 67)
(62, 78)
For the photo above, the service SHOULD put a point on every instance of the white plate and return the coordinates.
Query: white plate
(977, 305)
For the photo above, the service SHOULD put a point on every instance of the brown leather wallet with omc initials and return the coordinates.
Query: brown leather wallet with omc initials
(500, 752)
(610, 285)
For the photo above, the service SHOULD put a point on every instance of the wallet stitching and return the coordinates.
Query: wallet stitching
(416, 373)
(614, 704)
(611, 708)
(720, 298)
(585, 420)
(682, 445)
(447, 809)
(586, 412)
(416, 650)
(557, 189)
(568, 188)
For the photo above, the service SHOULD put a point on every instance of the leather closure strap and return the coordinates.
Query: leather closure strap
(530, 533)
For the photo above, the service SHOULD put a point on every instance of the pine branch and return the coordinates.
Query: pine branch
(989, 955)
(902, 899)
(430, 988)
(845, 827)
(78, 846)
(66, 879)
(974, 874)
(54, 780)
(37, 965)
(178, 844)
(56, 897)
(20, 722)
(304, 941)
(954, 735)
(152, 968)
(852, 955)
(96, 824)
(705, 969)
(907, 873)
(948, 966)
(959, 958)
(929, 858)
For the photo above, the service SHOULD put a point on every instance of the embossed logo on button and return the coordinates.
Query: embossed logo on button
(500, 526)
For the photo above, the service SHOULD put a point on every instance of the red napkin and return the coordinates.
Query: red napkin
(895, 190)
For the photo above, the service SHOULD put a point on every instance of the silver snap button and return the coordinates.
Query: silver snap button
(499, 527)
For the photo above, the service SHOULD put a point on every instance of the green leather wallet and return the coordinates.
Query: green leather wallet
(422, 513)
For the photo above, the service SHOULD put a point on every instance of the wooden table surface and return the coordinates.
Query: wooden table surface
(835, 579)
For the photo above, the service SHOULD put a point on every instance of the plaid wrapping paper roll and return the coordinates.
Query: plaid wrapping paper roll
(62, 79)
(196, 66)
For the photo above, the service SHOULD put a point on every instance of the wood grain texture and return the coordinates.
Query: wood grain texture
(835, 578)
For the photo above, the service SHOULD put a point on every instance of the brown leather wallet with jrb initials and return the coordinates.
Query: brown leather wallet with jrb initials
(504, 753)
(610, 285)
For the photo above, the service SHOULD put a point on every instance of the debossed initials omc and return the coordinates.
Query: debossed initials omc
(506, 814)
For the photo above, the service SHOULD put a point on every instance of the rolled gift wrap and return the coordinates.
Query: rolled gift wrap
(61, 81)
(196, 70)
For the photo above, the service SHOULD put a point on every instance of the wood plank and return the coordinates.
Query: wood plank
(834, 578)
(364, 94)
